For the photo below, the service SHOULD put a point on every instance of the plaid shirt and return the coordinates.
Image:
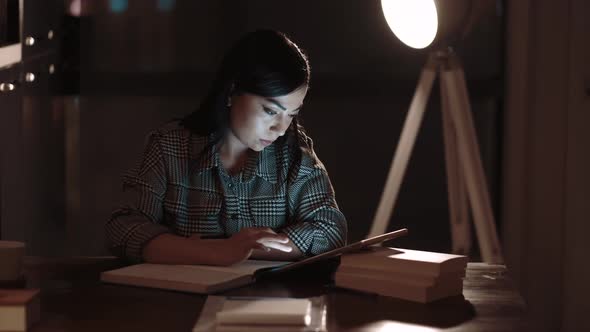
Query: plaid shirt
(173, 191)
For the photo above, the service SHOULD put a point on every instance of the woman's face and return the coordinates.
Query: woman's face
(256, 122)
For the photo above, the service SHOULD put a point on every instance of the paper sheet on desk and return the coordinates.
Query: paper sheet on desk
(214, 304)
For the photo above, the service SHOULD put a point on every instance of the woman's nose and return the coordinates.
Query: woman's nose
(281, 126)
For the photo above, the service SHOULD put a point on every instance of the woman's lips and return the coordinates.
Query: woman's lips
(265, 142)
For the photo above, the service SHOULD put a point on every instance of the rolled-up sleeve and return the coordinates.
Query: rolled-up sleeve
(138, 219)
(319, 225)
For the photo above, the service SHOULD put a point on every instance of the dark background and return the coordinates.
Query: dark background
(125, 67)
(118, 69)
(145, 62)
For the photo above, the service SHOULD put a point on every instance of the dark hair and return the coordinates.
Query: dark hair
(263, 62)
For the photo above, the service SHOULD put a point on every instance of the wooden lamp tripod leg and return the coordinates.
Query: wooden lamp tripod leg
(458, 205)
(469, 155)
(404, 148)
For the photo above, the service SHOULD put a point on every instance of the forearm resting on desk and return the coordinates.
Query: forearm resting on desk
(248, 243)
(173, 249)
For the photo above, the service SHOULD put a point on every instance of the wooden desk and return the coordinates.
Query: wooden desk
(73, 299)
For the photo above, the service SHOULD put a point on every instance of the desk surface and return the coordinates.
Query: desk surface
(73, 299)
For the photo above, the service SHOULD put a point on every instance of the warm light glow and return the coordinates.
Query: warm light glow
(414, 22)
(75, 8)
(390, 325)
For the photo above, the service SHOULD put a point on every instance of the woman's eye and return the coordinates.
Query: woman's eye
(269, 111)
(293, 115)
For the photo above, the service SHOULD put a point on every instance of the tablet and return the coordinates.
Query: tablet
(335, 252)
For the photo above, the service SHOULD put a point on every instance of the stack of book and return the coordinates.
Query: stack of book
(413, 275)
(19, 309)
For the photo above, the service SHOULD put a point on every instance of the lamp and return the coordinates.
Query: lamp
(439, 25)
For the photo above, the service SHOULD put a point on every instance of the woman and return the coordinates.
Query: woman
(237, 178)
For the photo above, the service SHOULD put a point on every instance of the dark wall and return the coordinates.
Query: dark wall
(144, 65)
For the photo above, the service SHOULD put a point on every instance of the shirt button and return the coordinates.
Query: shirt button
(234, 216)
(230, 185)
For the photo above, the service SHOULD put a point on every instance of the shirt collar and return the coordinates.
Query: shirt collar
(203, 160)
(266, 166)
(262, 164)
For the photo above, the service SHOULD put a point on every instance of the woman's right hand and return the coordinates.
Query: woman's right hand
(239, 247)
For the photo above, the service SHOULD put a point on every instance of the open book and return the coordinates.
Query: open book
(188, 278)
(211, 279)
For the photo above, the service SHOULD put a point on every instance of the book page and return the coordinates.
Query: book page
(191, 278)
(188, 272)
(245, 268)
(406, 261)
(207, 321)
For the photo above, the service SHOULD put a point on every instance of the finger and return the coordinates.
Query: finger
(248, 254)
(258, 230)
(274, 239)
(277, 240)
(281, 238)
(261, 246)
(265, 229)
(277, 246)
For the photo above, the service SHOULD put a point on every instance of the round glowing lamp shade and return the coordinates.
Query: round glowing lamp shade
(414, 22)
